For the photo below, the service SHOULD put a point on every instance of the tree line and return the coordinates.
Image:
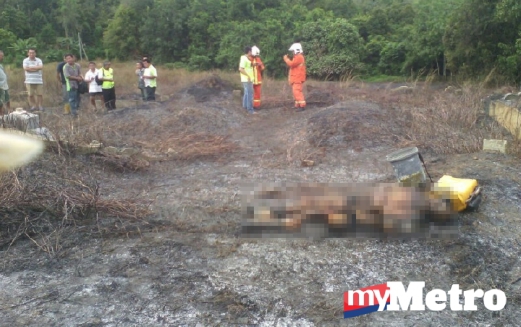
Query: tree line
(341, 38)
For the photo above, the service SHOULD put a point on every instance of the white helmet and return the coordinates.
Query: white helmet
(296, 48)
(255, 51)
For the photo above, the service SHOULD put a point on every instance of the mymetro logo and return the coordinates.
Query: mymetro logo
(392, 296)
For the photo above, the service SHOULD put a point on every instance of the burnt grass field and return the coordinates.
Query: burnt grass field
(113, 240)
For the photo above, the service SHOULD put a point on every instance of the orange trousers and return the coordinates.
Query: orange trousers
(300, 102)
(256, 95)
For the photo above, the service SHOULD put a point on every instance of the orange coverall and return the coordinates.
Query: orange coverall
(297, 77)
(257, 81)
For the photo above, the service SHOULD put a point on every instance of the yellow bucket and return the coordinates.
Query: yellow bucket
(458, 189)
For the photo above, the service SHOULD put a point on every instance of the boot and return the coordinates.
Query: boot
(67, 109)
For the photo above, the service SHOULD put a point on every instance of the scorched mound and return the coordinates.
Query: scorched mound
(356, 124)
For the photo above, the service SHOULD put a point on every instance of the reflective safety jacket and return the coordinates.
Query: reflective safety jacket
(103, 73)
(257, 70)
(297, 68)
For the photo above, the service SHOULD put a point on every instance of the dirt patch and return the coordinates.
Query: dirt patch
(356, 124)
(316, 97)
(209, 89)
(214, 119)
(319, 98)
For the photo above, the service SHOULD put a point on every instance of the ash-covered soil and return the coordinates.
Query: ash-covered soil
(189, 266)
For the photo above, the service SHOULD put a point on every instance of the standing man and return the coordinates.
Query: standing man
(140, 69)
(72, 74)
(5, 103)
(246, 69)
(61, 79)
(150, 78)
(34, 79)
(106, 74)
(95, 90)
(297, 74)
(258, 68)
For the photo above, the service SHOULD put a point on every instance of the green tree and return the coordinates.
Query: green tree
(473, 38)
(122, 37)
(202, 46)
(165, 32)
(38, 21)
(47, 36)
(372, 53)
(424, 41)
(70, 14)
(342, 8)
(7, 39)
(392, 57)
(508, 10)
(333, 48)
(509, 57)
(15, 20)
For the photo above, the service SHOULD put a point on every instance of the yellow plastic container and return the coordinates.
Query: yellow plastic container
(459, 189)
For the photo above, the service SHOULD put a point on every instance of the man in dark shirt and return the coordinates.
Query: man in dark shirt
(61, 79)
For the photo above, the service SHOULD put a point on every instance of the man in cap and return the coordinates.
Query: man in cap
(297, 74)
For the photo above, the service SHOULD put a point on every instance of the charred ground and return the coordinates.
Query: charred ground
(88, 243)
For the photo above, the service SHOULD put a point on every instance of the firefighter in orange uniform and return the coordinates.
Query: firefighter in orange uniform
(297, 75)
(258, 68)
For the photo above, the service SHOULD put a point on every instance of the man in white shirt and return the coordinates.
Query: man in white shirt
(95, 90)
(33, 67)
(150, 78)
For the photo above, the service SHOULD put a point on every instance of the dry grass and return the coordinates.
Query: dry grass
(169, 81)
(42, 200)
(120, 163)
(194, 146)
(168, 137)
(448, 123)
(173, 135)
(299, 151)
(184, 143)
(428, 117)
